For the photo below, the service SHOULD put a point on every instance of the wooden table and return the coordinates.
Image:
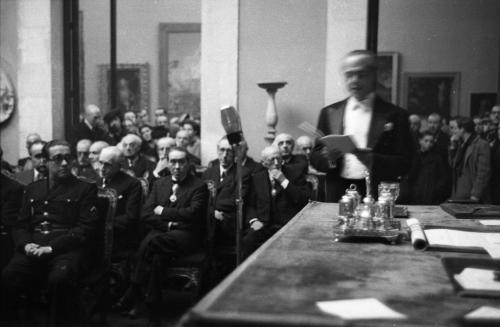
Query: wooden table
(301, 264)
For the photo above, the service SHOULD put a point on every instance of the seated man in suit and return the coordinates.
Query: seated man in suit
(285, 144)
(39, 170)
(379, 129)
(58, 217)
(222, 176)
(128, 207)
(94, 152)
(83, 167)
(25, 163)
(163, 146)
(175, 212)
(135, 163)
(90, 128)
(276, 195)
(183, 139)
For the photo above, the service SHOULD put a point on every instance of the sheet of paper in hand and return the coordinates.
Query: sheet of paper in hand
(343, 143)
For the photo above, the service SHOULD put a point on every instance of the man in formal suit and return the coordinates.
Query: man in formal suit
(39, 170)
(286, 144)
(129, 192)
(221, 178)
(57, 219)
(135, 163)
(90, 128)
(470, 160)
(183, 139)
(82, 166)
(94, 152)
(379, 130)
(276, 194)
(163, 146)
(174, 211)
(25, 163)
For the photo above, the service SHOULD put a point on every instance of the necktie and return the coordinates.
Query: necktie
(274, 190)
(223, 175)
(173, 197)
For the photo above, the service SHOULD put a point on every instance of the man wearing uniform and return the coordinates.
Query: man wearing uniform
(57, 217)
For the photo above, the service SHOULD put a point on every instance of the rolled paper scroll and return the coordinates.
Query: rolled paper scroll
(418, 239)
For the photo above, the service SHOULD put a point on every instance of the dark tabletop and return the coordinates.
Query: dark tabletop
(301, 264)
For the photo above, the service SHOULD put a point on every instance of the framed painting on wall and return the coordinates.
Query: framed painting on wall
(481, 103)
(132, 82)
(425, 93)
(180, 74)
(388, 76)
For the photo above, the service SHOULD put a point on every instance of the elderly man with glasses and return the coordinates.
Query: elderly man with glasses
(57, 220)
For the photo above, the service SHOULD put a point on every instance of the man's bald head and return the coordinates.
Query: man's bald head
(82, 151)
(163, 146)
(305, 145)
(110, 160)
(32, 138)
(359, 68)
(285, 144)
(131, 145)
(92, 115)
(271, 157)
(95, 150)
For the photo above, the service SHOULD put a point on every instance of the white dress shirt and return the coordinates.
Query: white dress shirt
(357, 119)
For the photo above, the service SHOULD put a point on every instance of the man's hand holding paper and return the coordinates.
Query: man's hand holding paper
(337, 145)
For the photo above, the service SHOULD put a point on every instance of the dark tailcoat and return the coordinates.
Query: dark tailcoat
(389, 138)
(178, 230)
(128, 209)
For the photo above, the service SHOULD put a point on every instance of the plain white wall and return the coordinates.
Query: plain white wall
(445, 36)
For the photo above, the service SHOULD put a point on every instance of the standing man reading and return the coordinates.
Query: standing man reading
(379, 130)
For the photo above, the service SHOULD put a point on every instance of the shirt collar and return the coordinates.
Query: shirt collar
(366, 103)
(88, 124)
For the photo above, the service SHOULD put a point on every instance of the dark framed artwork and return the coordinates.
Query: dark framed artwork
(388, 76)
(180, 74)
(132, 82)
(481, 103)
(425, 93)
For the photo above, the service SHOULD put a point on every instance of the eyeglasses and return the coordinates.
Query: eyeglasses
(38, 156)
(58, 158)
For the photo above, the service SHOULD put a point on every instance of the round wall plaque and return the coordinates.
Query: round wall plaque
(8, 99)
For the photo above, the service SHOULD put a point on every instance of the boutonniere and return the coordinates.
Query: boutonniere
(388, 127)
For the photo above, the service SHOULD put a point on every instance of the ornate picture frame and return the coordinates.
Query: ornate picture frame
(180, 68)
(388, 76)
(425, 93)
(133, 87)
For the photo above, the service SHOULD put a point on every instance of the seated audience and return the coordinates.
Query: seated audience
(113, 121)
(183, 140)
(428, 176)
(39, 170)
(305, 144)
(285, 143)
(142, 118)
(222, 179)
(194, 131)
(57, 218)
(163, 146)
(276, 194)
(148, 147)
(469, 158)
(83, 166)
(94, 152)
(175, 212)
(135, 163)
(90, 128)
(25, 163)
(129, 192)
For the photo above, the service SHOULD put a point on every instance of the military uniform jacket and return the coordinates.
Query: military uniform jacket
(70, 206)
(187, 211)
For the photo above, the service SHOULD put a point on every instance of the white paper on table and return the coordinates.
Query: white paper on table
(492, 245)
(460, 238)
(490, 222)
(355, 309)
(478, 279)
(484, 313)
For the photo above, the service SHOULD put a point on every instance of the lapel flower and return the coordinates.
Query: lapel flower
(388, 127)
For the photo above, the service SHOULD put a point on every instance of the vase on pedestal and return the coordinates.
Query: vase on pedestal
(271, 111)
